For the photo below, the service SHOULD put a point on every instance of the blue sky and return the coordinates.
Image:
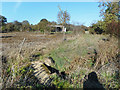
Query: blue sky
(80, 12)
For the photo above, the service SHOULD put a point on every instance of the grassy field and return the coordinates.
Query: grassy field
(87, 53)
(77, 56)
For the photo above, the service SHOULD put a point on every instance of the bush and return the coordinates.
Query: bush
(96, 29)
(113, 28)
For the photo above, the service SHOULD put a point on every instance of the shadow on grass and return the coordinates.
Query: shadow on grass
(92, 82)
(5, 36)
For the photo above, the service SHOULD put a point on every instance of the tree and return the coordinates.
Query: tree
(43, 25)
(113, 28)
(109, 9)
(3, 20)
(9, 27)
(25, 22)
(97, 28)
(53, 23)
(110, 13)
(26, 25)
(44, 20)
(63, 17)
(17, 26)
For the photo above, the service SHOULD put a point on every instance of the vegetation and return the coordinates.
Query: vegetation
(87, 55)
(109, 23)
(63, 17)
(45, 60)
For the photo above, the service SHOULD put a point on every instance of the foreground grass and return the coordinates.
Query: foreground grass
(72, 49)
(85, 54)
(77, 57)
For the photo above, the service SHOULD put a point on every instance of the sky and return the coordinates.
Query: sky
(84, 13)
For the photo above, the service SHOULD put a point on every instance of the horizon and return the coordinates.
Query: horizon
(81, 13)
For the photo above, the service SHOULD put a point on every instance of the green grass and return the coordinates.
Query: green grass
(65, 54)
(69, 50)
(69, 32)
(61, 56)
(60, 83)
(110, 80)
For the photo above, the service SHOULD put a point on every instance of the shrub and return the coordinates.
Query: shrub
(113, 28)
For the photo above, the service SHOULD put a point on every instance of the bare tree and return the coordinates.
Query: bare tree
(63, 18)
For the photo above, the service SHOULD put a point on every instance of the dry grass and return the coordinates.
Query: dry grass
(87, 53)
(107, 52)
(79, 47)
(35, 43)
(70, 56)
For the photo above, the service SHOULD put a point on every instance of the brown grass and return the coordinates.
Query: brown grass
(75, 49)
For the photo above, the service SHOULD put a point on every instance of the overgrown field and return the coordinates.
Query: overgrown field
(77, 57)
(89, 53)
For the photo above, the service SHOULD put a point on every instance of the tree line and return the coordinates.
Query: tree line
(42, 26)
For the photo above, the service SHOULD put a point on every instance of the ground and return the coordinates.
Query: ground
(24, 53)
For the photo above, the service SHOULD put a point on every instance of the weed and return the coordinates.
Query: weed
(90, 62)
(70, 53)
(110, 80)
(60, 83)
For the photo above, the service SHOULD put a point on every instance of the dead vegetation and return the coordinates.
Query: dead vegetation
(77, 57)
(89, 53)
(22, 48)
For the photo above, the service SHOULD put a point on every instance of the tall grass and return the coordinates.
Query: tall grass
(77, 56)
(72, 56)
(71, 49)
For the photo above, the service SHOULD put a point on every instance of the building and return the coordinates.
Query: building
(58, 28)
